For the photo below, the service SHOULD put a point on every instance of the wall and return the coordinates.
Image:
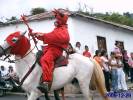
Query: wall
(86, 31)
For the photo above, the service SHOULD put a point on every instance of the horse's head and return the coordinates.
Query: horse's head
(16, 43)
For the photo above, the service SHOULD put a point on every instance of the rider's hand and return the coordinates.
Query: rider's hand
(32, 34)
(30, 30)
(37, 34)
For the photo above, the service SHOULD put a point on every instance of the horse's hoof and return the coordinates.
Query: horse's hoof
(37, 99)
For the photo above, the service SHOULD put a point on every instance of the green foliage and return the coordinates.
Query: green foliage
(125, 19)
(12, 18)
(117, 18)
(39, 10)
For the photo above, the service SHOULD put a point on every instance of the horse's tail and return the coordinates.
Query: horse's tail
(99, 81)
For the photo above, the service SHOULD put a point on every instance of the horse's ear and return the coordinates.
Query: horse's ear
(23, 33)
(15, 39)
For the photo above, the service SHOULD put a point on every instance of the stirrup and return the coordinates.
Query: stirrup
(44, 87)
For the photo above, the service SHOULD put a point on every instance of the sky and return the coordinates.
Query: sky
(10, 8)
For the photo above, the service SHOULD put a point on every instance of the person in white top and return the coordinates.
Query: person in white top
(3, 71)
(12, 73)
(106, 69)
(113, 64)
(78, 48)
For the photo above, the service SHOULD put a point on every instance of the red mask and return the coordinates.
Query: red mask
(21, 46)
(61, 18)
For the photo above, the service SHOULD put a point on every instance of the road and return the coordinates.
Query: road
(68, 97)
(21, 97)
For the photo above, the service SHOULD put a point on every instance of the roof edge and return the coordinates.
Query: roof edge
(106, 22)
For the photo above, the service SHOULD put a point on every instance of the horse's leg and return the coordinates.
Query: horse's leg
(34, 95)
(84, 86)
(62, 93)
(27, 95)
(46, 96)
(56, 95)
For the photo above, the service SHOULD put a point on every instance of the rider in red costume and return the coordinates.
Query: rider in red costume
(57, 40)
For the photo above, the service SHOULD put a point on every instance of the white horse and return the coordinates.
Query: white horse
(79, 67)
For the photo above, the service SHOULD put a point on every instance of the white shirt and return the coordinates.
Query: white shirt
(78, 50)
(113, 62)
(104, 63)
(3, 73)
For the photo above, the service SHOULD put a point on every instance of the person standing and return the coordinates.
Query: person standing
(106, 69)
(2, 81)
(121, 75)
(86, 53)
(97, 57)
(125, 62)
(113, 64)
(3, 71)
(12, 73)
(117, 49)
(78, 48)
(130, 62)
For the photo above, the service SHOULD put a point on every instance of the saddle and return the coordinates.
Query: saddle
(59, 62)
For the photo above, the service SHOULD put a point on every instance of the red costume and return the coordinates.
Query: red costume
(56, 40)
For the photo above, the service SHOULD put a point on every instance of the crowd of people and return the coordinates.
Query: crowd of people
(117, 67)
(7, 74)
(4, 72)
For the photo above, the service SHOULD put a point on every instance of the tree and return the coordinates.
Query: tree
(127, 14)
(39, 10)
(12, 18)
(117, 18)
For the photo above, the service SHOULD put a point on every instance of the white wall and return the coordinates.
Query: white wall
(86, 32)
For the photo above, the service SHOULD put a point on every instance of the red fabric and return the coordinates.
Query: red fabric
(60, 17)
(62, 21)
(58, 37)
(47, 62)
(87, 54)
(21, 47)
(56, 40)
(30, 30)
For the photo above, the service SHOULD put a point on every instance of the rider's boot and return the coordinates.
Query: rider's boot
(44, 86)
